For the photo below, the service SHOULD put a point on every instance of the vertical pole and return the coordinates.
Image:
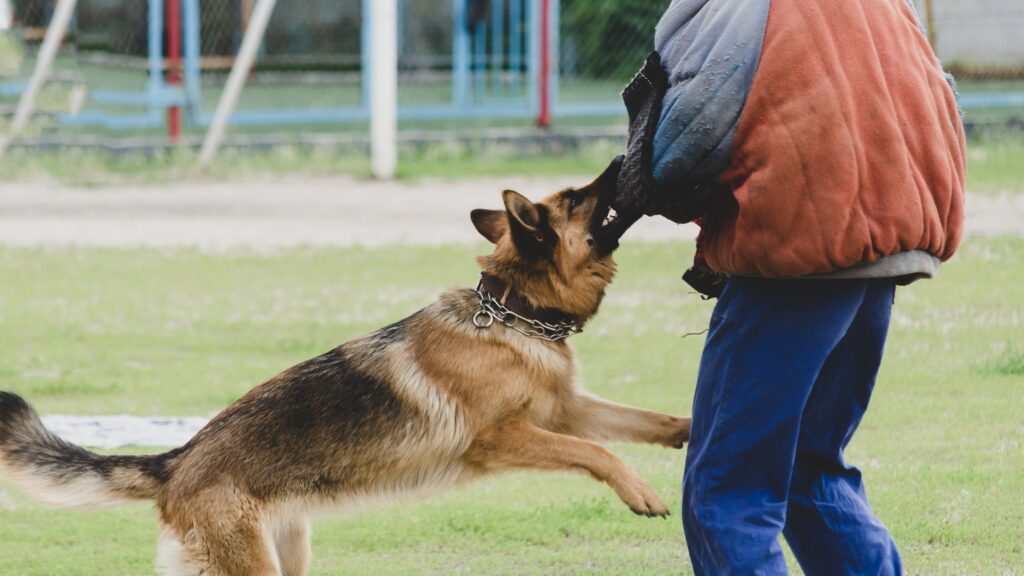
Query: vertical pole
(515, 44)
(554, 55)
(460, 54)
(480, 60)
(44, 62)
(236, 80)
(497, 45)
(384, 90)
(173, 65)
(155, 45)
(193, 73)
(544, 82)
(532, 31)
(6, 15)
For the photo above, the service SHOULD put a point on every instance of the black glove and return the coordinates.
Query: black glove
(643, 97)
(637, 193)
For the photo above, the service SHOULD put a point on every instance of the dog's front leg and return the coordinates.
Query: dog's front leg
(519, 444)
(593, 418)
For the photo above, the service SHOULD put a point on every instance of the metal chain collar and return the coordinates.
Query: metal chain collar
(491, 309)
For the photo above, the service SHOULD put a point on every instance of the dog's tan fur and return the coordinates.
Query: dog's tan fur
(426, 404)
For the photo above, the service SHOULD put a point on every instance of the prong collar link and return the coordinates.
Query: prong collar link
(492, 310)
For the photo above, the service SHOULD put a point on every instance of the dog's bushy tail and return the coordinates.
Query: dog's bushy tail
(62, 474)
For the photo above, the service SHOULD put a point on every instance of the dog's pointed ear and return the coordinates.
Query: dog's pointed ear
(525, 221)
(491, 224)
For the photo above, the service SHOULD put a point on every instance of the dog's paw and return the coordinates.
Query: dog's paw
(678, 432)
(642, 499)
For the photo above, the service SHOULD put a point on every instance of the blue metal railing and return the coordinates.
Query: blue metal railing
(494, 73)
(487, 72)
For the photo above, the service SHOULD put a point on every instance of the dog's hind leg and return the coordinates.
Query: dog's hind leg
(221, 532)
(220, 550)
(291, 537)
(241, 549)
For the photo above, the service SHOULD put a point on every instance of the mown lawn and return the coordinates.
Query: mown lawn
(179, 332)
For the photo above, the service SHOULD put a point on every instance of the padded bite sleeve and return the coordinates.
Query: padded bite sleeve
(642, 98)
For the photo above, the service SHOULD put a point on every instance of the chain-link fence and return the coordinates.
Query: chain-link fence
(602, 43)
(124, 63)
(310, 58)
(978, 39)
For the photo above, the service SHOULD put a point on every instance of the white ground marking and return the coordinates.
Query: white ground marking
(118, 431)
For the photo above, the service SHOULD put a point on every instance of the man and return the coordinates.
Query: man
(819, 146)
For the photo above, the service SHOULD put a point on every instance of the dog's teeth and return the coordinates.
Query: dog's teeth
(610, 218)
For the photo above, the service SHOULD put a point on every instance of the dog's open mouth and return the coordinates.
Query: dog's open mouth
(608, 225)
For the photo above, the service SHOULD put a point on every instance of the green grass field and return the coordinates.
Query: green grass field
(104, 331)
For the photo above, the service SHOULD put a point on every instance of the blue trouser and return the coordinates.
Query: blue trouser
(785, 378)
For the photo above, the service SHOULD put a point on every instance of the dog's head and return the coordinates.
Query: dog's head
(557, 252)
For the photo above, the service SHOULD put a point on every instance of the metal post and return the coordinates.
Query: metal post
(515, 43)
(193, 72)
(384, 90)
(544, 83)
(497, 45)
(533, 55)
(6, 15)
(155, 46)
(460, 54)
(480, 60)
(236, 80)
(44, 62)
(173, 65)
(555, 55)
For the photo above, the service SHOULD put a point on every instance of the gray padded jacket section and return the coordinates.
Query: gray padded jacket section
(711, 49)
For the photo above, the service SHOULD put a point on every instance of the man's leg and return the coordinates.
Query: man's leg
(767, 343)
(829, 524)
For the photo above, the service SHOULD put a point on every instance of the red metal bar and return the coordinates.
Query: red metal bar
(544, 85)
(173, 9)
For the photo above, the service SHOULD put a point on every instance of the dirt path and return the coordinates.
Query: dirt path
(268, 213)
(297, 210)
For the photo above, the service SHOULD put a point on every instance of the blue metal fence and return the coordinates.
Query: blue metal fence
(493, 74)
(158, 95)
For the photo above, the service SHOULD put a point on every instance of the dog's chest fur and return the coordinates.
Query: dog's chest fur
(486, 373)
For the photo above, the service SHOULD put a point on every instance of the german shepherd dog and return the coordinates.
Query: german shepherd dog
(478, 382)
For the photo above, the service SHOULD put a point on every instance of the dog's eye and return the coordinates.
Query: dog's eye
(574, 201)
